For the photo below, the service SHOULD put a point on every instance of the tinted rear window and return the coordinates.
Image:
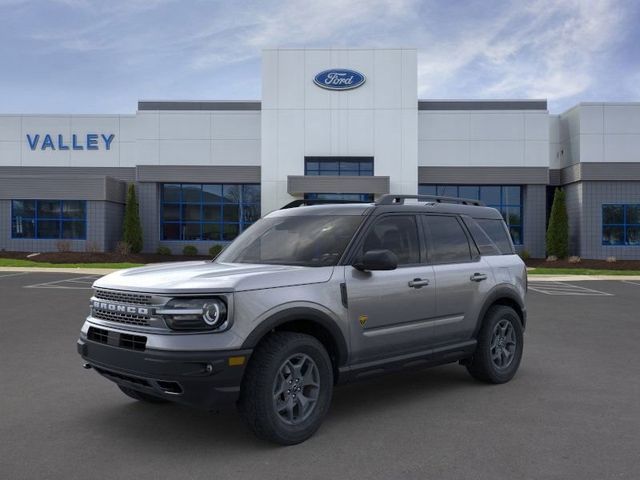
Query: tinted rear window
(497, 232)
(447, 241)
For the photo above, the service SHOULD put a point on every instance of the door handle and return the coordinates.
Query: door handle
(478, 277)
(418, 283)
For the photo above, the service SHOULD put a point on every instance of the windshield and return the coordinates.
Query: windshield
(308, 241)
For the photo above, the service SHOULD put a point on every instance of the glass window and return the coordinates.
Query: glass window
(309, 240)
(507, 199)
(398, 234)
(621, 225)
(497, 233)
(349, 197)
(212, 212)
(447, 240)
(49, 219)
(339, 166)
(485, 245)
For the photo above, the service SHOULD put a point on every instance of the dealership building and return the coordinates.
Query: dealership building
(331, 124)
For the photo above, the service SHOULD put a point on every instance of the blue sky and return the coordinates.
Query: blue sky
(84, 56)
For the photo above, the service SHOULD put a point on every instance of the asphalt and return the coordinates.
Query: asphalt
(572, 412)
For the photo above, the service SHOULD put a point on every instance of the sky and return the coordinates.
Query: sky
(85, 56)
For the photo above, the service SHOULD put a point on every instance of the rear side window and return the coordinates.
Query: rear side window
(497, 232)
(485, 245)
(447, 240)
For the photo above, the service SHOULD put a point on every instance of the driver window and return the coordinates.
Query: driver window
(396, 233)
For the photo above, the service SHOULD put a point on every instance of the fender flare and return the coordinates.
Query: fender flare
(497, 293)
(301, 313)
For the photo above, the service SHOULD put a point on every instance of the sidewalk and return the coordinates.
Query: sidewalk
(580, 278)
(83, 271)
(532, 278)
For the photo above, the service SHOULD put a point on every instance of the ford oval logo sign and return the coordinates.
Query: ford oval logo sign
(339, 79)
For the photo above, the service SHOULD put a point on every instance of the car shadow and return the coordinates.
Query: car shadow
(154, 424)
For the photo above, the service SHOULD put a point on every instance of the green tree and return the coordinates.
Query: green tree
(558, 230)
(132, 231)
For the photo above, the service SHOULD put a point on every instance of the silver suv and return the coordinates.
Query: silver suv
(310, 297)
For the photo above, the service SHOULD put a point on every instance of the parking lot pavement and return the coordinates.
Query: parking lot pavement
(572, 412)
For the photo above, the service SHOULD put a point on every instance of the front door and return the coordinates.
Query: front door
(390, 311)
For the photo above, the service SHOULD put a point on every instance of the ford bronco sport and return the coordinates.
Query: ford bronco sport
(310, 297)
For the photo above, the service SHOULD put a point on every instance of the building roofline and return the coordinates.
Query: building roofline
(243, 105)
(534, 104)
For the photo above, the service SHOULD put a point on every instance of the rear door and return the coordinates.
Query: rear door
(390, 311)
(462, 277)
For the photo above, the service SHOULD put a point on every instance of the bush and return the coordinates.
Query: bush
(215, 250)
(91, 247)
(132, 231)
(189, 250)
(63, 245)
(525, 255)
(162, 250)
(558, 230)
(123, 249)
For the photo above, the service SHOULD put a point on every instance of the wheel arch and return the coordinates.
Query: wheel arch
(507, 296)
(305, 320)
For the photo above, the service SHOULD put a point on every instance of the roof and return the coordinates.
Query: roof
(413, 207)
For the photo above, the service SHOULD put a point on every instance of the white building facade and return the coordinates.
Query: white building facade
(331, 124)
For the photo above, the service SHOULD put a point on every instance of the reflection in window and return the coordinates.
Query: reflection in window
(621, 225)
(339, 166)
(49, 219)
(212, 212)
(507, 199)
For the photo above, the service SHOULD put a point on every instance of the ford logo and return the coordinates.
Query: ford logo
(339, 79)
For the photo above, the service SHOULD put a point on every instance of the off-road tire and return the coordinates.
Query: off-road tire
(256, 403)
(482, 365)
(141, 396)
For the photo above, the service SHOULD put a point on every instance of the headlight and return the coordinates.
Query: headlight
(195, 314)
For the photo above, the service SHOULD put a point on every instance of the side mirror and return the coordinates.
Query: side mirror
(377, 260)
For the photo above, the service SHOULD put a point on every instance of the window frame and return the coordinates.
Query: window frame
(502, 207)
(60, 219)
(241, 223)
(355, 250)
(474, 253)
(624, 225)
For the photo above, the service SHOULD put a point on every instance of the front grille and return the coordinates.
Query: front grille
(133, 342)
(122, 340)
(124, 297)
(128, 318)
(98, 335)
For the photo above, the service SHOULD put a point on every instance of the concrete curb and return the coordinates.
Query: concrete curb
(83, 271)
(580, 278)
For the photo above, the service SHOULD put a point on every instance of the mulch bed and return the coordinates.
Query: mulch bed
(100, 257)
(585, 263)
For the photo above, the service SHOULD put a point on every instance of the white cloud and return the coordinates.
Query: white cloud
(547, 50)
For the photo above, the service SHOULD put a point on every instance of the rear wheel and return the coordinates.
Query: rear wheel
(141, 396)
(500, 344)
(287, 388)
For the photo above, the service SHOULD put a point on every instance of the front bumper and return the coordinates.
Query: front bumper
(203, 379)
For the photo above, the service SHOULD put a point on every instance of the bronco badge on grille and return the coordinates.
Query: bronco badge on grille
(114, 307)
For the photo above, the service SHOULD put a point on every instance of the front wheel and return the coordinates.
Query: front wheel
(500, 344)
(287, 388)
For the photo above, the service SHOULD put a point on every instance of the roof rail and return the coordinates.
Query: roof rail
(318, 201)
(399, 200)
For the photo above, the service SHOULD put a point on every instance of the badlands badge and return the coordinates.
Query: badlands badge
(363, 319)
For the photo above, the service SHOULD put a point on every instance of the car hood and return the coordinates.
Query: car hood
(206, 276)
